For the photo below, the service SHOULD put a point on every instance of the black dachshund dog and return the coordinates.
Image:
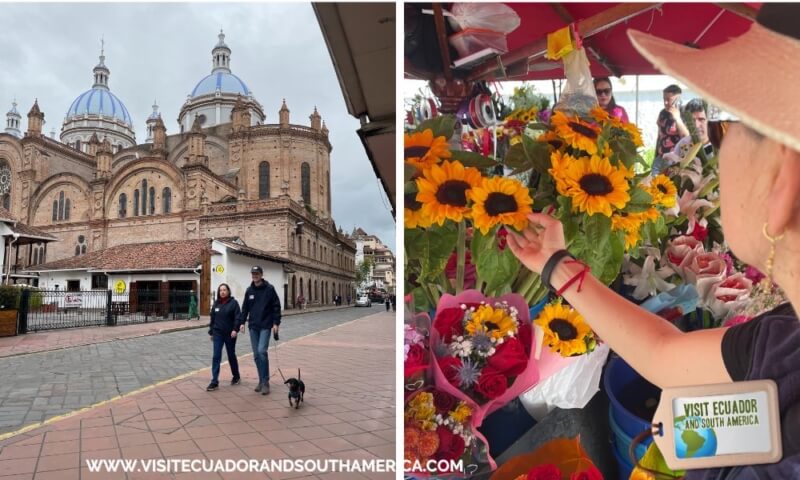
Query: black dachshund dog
(296, 390)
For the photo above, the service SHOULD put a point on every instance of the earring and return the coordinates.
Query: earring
(771, 256)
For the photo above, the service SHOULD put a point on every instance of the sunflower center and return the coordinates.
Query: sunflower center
(453, 192)
(498, 203)
(491, 326)
(661, 188)
(416, 152)
(596, 184)
(410, 202)
(565, 330)
(583, 130)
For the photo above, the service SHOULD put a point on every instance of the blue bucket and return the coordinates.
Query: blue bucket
(622, 443)
(624, 466)
(626, 387)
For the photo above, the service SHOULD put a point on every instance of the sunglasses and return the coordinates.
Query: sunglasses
(603, 91)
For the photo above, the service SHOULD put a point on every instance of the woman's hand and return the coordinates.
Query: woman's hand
(233, 334)
(543, 236)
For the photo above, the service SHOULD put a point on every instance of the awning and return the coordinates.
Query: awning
(361, 41)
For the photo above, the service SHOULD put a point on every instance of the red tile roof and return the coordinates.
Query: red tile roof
(181, 254)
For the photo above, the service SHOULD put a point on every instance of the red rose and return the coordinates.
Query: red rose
(510, 358)
(491, 383)
(544, 472)
(449, 323)
(699, 232)
(416, 361)
(502, 238)
(444, 402)
(591, 474)
(470, 274)
(451, 446)
(450, 367)
(525, 335)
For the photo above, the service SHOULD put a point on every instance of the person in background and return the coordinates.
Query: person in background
(670, 124)
(605, 97)
(223, 330)
(697, 108)
(387, 301)
(759, 173)
(262, 308)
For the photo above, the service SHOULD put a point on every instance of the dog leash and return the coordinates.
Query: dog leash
(277, 363)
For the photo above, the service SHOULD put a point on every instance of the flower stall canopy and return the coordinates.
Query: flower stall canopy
(603, 27)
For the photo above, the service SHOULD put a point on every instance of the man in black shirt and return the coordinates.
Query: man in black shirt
(262, 307)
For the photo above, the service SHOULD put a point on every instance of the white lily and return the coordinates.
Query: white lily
(648, 280)
(689, 205)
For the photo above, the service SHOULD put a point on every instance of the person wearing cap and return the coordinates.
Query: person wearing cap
(262, 308)
(755, 77)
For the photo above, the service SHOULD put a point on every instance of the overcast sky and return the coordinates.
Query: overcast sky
(160, 51)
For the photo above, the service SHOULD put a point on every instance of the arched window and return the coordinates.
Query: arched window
(308, 248)
(144, 197)
(77, 145)
(152, 200)
(66, 209)
(263, 181)
(83, 249)
(77, 250)
(136, 203)
(305, 182)
(55, 210)
(123, 205)
(166, 196)
(35, 260)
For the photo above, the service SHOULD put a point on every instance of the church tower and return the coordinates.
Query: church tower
(13, 121)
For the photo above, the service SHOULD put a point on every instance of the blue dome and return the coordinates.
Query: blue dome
(99, 101)
(226, 82)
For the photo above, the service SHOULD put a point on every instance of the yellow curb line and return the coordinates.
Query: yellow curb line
(34, 426)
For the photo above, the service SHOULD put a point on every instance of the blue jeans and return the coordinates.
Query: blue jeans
(259, 339)
(230, 348)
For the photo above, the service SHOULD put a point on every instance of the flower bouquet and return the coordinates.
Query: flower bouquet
(416, 359)
(437, 426)
(559, 459)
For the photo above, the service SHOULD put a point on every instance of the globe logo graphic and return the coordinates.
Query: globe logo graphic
(693, 442)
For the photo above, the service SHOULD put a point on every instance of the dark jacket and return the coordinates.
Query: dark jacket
(261, 307)
(224, 317)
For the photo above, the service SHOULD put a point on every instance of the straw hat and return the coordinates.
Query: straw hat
(755, 76)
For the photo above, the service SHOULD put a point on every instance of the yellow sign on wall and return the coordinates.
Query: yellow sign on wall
(220, 269)
(119, 286)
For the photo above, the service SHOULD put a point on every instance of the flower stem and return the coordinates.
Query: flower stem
(461, 253)
(528, 278)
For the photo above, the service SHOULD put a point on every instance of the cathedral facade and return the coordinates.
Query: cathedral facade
(224, 173)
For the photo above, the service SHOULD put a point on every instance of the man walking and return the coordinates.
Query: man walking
(262, 307)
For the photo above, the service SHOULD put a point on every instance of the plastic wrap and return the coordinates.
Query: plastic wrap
(578, 96)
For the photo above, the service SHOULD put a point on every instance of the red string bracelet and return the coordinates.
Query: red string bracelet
(577, 278)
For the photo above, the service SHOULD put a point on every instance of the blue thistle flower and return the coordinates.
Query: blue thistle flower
(482, 342)
(468, 373)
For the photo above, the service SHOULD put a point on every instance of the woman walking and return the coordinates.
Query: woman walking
(223, 330)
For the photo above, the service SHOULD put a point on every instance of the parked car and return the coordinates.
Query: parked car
(363, 301)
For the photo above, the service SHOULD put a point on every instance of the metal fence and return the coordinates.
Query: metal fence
(51, 309)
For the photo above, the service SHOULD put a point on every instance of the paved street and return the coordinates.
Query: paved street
(42, 385)
(348, 415)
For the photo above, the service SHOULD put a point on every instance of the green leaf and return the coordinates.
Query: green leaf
(496, 269)
(442, 126)
(640, 200)
(537, 152)
(432, 247)
(516, 160)
(410, 187)
(472, 159)
(421, 302)
(408, 172)
(624, 149)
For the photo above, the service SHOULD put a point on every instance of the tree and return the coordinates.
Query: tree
(364, 271)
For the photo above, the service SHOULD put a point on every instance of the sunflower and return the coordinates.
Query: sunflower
(595, 186)
(443, 191)
(663, 191)
(559, 161)
(412, 212)
(600, 114)
(650, 215)
(494, 322)
(634, 132)
(552, 139)
(624, 221)
(500, 200)
(576, 132)
(632, 237)
(422, 150)
(565, 331)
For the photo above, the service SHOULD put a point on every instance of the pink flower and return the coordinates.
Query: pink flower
(699, 232)
(753, 274)
(730, 295)
(470, 274)
(705, 271)
(733, 321)
(502, 238)
(730, 270)
(411, 335)
(681, 252)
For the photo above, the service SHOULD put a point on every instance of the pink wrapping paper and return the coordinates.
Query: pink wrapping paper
(536, 370)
